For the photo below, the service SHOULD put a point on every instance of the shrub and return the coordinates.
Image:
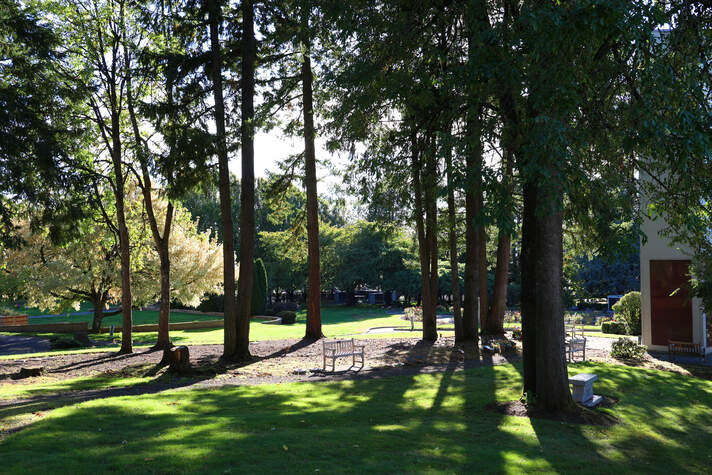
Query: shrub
(288, 317)
(623, 348)
(281, 306)
(616, 328)
(628, 309)
(212, 303)
(517, 334)
(259, 288)
(414, 313)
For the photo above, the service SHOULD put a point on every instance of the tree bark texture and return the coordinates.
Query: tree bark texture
(313, 327)
(424, 228)
(495, 317)
(473, 163)
(230, 330)
(247, 190)
(552, 382)
(529, 294)
(452, 238)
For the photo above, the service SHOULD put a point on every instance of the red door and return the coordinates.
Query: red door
(670, 315)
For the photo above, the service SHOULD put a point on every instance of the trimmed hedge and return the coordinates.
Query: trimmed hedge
(287, 317)
(616, 328)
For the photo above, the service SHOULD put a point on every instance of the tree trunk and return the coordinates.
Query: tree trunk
(161, 242)
(424, 244)
(482, 269)
(313, 330)
(126, 300)
(247, 191)
(99, 301)
(452, 237)
(552, 382)
(529, 293)
(164, 314)
(473, 163)
(230, 329)
(495, 317)
(431, 232)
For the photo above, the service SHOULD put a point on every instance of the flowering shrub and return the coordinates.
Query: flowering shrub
(414, 314)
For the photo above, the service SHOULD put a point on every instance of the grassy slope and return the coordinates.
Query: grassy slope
(424, 423)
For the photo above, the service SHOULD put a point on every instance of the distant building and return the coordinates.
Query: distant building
(667, 311)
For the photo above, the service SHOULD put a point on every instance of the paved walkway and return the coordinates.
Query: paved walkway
(17, 344)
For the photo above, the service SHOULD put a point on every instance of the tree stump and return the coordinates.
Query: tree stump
(28, 373)
(178, 359)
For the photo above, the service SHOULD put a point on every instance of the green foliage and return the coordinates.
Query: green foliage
(628, 309)
(288, 317)
(615, 328)
(259, 288)
(626, 349)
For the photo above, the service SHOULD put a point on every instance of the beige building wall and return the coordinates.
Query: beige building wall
(658, 247)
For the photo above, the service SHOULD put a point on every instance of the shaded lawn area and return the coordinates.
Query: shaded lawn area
(422, 423)
(336, 322)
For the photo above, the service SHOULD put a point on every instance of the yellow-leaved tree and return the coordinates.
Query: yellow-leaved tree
(59, 276)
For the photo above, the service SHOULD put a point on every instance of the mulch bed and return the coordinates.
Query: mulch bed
(581, 415)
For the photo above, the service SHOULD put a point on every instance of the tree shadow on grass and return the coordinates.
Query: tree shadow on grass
(414, 423)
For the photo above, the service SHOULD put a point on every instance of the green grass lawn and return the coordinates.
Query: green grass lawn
(425, 423)
(337, 322)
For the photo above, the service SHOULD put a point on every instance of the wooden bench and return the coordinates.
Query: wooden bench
(10, 320)
(342, 348)
(685, 348)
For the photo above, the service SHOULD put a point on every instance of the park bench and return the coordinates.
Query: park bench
(10, 320)
(583, 389)
(342, 348)
(685, 348)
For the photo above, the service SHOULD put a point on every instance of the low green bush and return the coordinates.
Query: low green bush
(616, 328)
(288, 317)
(624, 348)
(627, 309)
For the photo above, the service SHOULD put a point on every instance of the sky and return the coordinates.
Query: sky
(272, 147)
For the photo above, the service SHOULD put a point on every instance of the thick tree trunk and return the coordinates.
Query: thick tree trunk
(230, 329)
(495, 317)
(452, 238)
(473, 163)
(529, 294)
(247, 190)
(552, 382)
(313, 330)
